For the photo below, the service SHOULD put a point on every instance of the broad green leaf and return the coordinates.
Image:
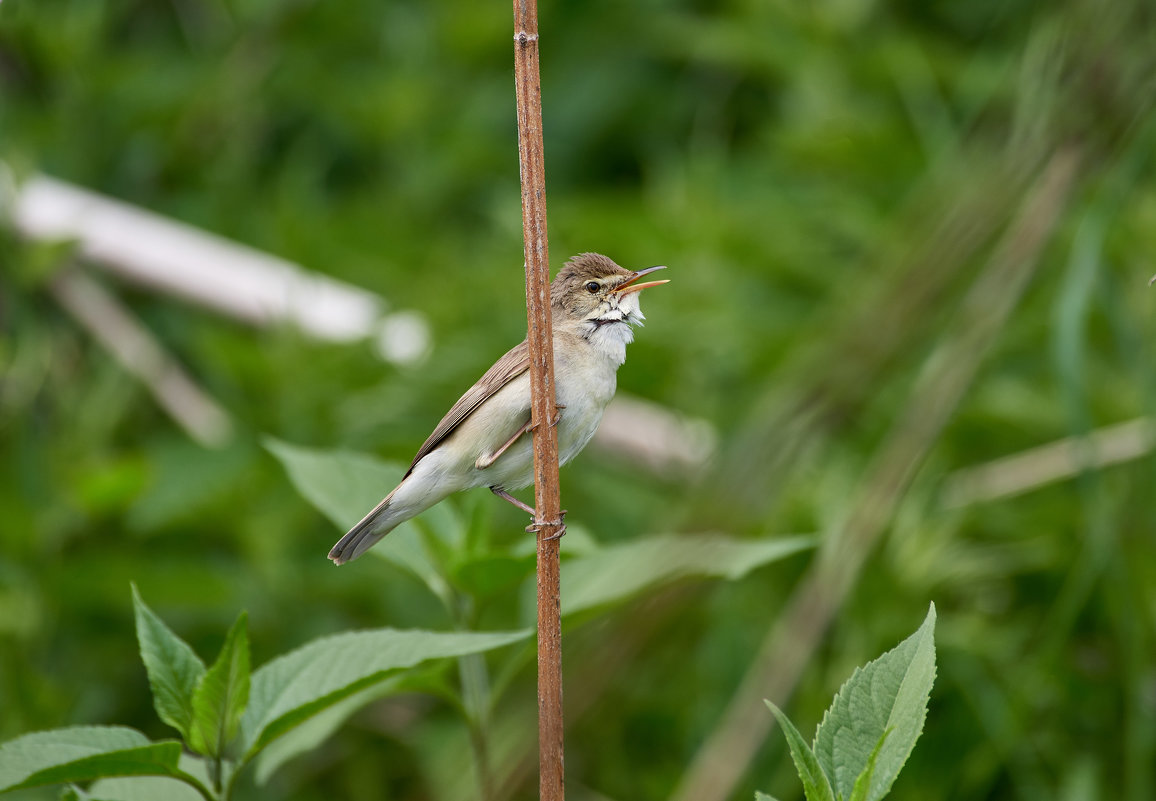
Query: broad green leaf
(152, 788)
(863, 781)
(142, 788)
(313, 732)
(616, 572)
(82, 753)
(173, 668)
(888, 694)
(221, 694)
(441, 532)
(344, 486)
(302, 683)
(815, 784)
(764, 797)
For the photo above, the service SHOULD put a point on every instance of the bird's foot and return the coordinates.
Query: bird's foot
(557, 535)
(536, 527)
(558, 407)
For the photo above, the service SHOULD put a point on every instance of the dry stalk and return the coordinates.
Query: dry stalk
(547, 503)
(1061, 460)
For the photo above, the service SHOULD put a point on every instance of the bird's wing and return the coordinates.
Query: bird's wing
(506, 369)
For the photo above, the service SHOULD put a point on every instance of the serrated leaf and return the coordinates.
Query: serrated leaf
(815, 784)
(172, 666)
(222, 693)
(300, 684)
(614, 573)
(863, 781)
(344, 485)
(887, 694)
(83, 753)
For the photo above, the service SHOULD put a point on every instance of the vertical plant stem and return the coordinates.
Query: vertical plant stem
(548, 520)
(475, 681)
(478, 742)
(476, 700)
(214, 765)
(207, 794)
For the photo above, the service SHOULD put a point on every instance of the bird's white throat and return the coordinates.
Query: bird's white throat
(613, 329)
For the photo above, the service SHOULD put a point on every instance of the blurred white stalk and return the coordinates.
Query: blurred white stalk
(1056, 461)
(211, 271)
(238, 281)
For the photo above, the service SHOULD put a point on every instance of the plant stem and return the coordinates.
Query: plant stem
(215, 773)
(195, 783)
(548, 505)
(478, 742)
(475, 681)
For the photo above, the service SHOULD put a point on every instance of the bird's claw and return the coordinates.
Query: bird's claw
(558, 407)
(536, 527)
(556, 535)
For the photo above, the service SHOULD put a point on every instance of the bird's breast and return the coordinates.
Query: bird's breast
(584, 385)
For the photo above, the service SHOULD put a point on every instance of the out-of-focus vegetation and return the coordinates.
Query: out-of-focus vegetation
(850, 197)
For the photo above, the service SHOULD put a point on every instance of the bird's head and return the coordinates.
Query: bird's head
(593, 292)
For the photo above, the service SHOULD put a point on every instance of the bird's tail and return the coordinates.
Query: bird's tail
(383, 519)
(421, 488)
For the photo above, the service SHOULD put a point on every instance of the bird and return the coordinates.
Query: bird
(485, 440)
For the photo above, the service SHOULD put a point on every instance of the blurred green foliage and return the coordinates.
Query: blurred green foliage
(824, 180)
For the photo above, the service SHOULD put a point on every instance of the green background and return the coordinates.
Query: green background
(828, 183)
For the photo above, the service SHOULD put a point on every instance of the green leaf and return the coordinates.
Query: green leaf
(313, 732)
(863, 781)
(616, 572)
(300, 684)
(142, 788)
(815, 784)
(173, 668)
(888, 694)
(764, 797)
(222, 693)
(344, 486)
(153, 788)
(83, 753)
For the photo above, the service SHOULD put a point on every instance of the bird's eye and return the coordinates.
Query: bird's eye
(592, 287)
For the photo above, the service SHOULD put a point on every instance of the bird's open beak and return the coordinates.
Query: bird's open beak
(630, 286)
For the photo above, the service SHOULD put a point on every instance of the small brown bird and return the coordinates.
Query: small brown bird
(484, 440)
